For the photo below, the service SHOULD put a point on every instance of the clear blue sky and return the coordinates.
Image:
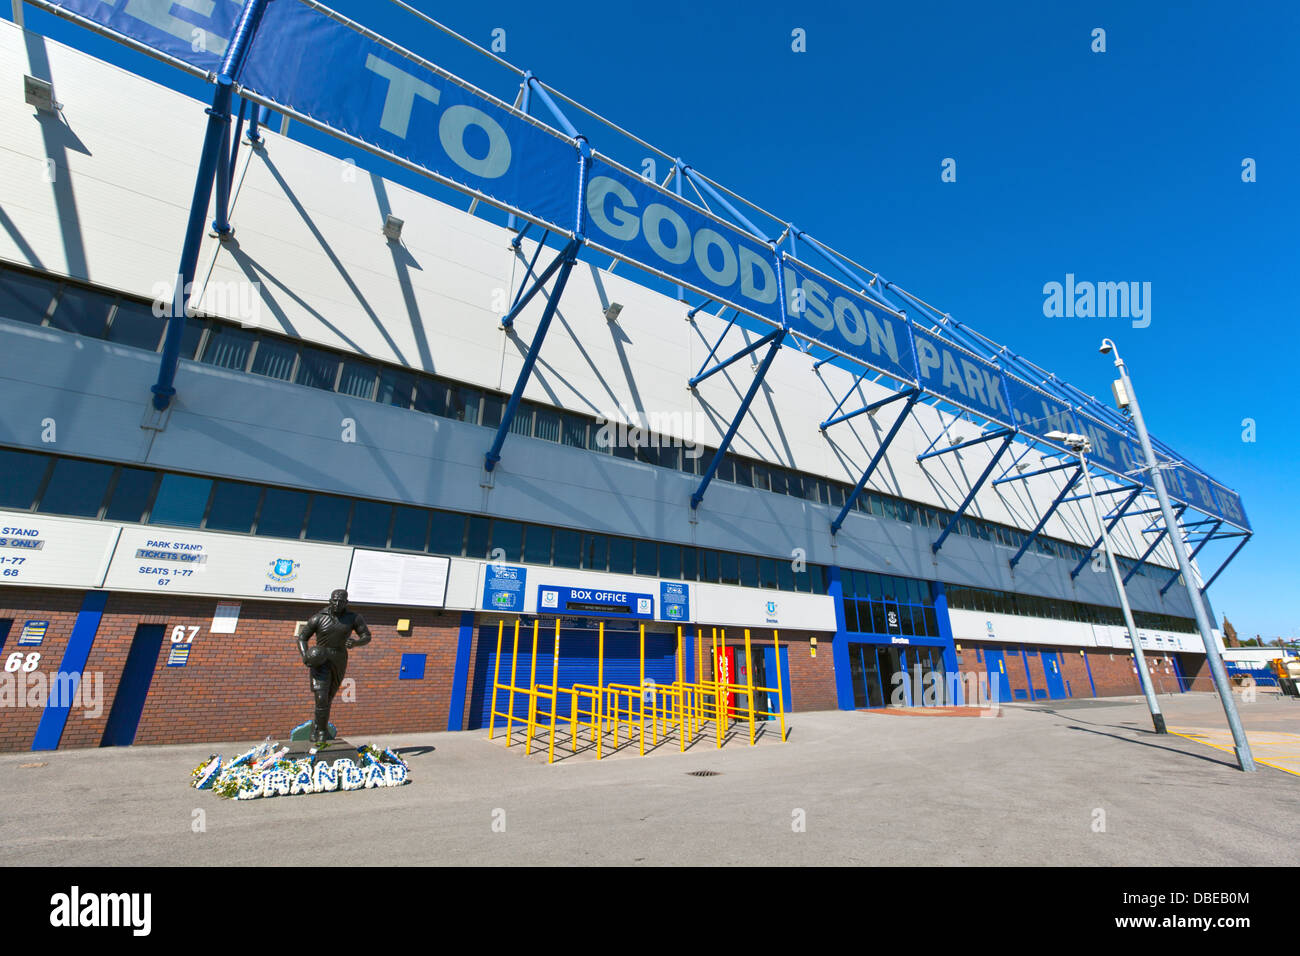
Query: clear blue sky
(1123, 165)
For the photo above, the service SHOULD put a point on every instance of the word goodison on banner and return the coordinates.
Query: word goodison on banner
(306, 58)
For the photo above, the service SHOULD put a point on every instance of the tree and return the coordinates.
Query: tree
(1229, 634)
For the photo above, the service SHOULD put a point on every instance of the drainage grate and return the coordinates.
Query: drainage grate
(704, 773)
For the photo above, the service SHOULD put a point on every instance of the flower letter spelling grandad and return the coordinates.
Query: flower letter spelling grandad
(263, 772)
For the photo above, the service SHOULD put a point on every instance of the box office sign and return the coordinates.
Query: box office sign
(37, 550)
(187, 562)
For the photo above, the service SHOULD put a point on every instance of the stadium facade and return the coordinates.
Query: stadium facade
(337, 391)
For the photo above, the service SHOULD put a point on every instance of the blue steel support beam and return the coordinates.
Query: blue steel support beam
(1152, 547)
(1205, 587)
(1051, 510)
(225, 169)
(701, 375)
(508, 320)
(1109, 527)
(239, 130)
(1000, 433)
(1118, 489)
(211, 157)
(1218, 523)
(528, 273)
(519, 236)
(776, 338)
(1034, 474)
(721, 200)
(831, 420)
(911, 395)
(566, 259)
(952, 522)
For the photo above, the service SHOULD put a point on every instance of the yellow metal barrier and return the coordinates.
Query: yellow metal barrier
(685, 708)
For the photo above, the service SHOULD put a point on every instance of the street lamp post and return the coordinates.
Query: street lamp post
(1244, 758)
(1081, 446)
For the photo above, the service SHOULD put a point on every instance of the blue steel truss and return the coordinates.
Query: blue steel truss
(1008, 436)
(911, 396)
(1051, 510)
(1178, 513)
(775, 339)
(564, 263)
(1110, 526)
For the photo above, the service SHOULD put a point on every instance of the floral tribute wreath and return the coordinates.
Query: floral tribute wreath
(263, 772)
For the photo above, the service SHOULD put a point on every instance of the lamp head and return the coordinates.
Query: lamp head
(1107, 346)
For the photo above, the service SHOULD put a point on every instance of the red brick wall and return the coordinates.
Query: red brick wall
(18, 722)
(1113, 671)
(240, 686)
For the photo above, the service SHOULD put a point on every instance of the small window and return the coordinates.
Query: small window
(82, 312)
(670, 561)
(234, 507)
(477, 536)
(622, 555)
(494, 407)
(574, 432)
(370, 521)
(191, 336)
(730, 567)
(548, 424)
(710, 567)
(568, 548)
(464, 404)
(647, 558)
(317, 369)
(690, 563)
(181, 500)
(785, 575)
(130, 495)
(410, 528)
(507, 537)
(228, 347)
(767, 572)
(596, 557)
(282, 513)
(448, 533)
(134, 324)
(537, 544)
(357, 379)
(522, 423)
(76, 488)
(25, 298)
(274, 358)
(749, 571)
(395, 387)
(744, 473)
(778, 481)
(328, 518)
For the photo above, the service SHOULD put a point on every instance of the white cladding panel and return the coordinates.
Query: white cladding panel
(1014, 629)
(175, 561)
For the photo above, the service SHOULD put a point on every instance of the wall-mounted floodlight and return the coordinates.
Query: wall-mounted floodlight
(40, 94)
(612, 311)
(393, 227)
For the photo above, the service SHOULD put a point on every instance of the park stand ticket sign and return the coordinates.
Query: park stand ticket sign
(55, 552)
(189, 562)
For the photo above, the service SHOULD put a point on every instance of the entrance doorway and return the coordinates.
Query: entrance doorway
(133, 688)
(891, 675)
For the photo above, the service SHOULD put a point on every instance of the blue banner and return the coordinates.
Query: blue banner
(632, 218)
(599, 602)
(195, 31)
(847, 322)
(961, 377)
